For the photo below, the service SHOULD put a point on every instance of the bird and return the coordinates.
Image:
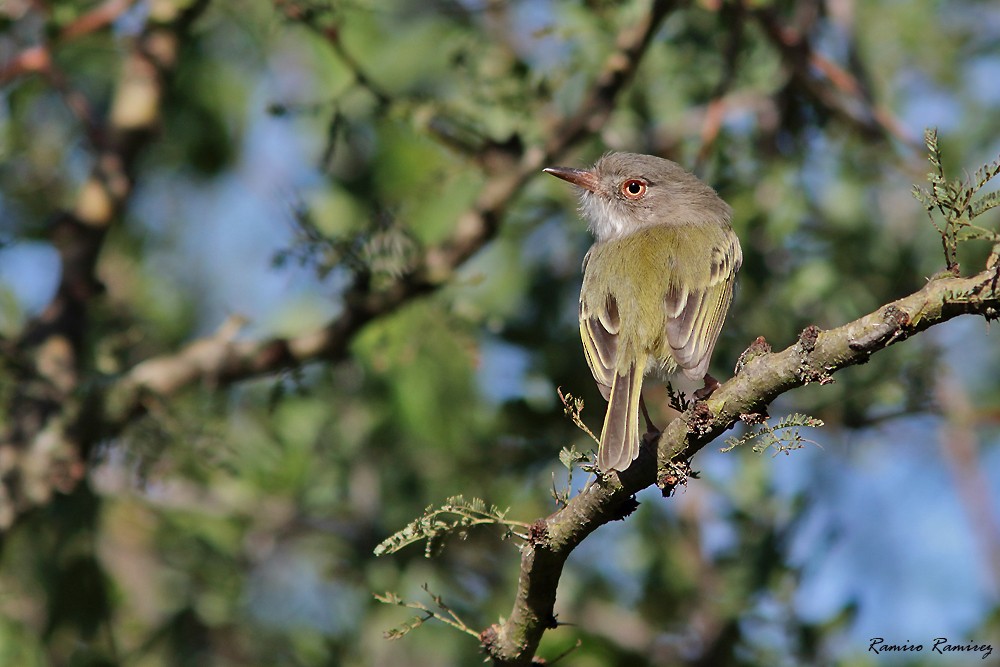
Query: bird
(657, 283)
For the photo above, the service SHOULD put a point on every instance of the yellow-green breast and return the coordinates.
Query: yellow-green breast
(637, 270)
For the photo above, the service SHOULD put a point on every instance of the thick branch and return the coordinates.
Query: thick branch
(814, 358)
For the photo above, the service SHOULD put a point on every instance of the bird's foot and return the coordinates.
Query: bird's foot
(711, 384)
(650, 426)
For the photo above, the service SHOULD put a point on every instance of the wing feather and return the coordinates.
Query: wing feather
(599, 333)
(693, 327)
(620, 434)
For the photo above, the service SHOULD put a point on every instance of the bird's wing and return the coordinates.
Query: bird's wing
(599, 333)
(695, 312)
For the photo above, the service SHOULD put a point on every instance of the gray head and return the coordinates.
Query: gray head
(625, 192)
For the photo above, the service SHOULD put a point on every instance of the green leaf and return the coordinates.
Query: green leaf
(983, 204)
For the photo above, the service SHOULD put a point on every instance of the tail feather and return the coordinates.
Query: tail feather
(620, 435)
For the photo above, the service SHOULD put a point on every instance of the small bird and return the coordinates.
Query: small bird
(657, 283)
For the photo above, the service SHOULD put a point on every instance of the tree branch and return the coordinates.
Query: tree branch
(842, 93)
(49, 434)
(813, 358)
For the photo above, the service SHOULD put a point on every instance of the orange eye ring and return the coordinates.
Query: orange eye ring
(633, 188)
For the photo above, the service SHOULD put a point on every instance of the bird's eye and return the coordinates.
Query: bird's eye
(634, 188)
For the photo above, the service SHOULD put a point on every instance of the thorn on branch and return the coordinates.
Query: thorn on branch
(759, 348)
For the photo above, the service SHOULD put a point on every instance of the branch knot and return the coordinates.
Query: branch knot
(807, 344)
(538, 533)
(759, 348)
(700, 421)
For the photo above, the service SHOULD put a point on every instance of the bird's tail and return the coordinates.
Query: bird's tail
(620, 435)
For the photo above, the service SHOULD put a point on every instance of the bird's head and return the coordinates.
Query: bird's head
(626, 192)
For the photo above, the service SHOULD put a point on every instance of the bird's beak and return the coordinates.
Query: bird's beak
(579, 177)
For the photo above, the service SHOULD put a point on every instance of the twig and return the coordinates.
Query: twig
(449, 617)
(800, 57)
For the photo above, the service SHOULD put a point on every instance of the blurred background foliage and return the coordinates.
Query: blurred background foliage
(303, 142)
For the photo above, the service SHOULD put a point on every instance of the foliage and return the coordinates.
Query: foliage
(434, 529)
(444, 614)
(955, 201)
(784, 436)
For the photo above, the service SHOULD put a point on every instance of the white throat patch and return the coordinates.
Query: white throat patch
(605, 220)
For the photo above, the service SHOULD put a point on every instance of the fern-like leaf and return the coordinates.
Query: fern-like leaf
(983, 204)
(955, 201)
(454, 517)
(443, 613)
(783, 437)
